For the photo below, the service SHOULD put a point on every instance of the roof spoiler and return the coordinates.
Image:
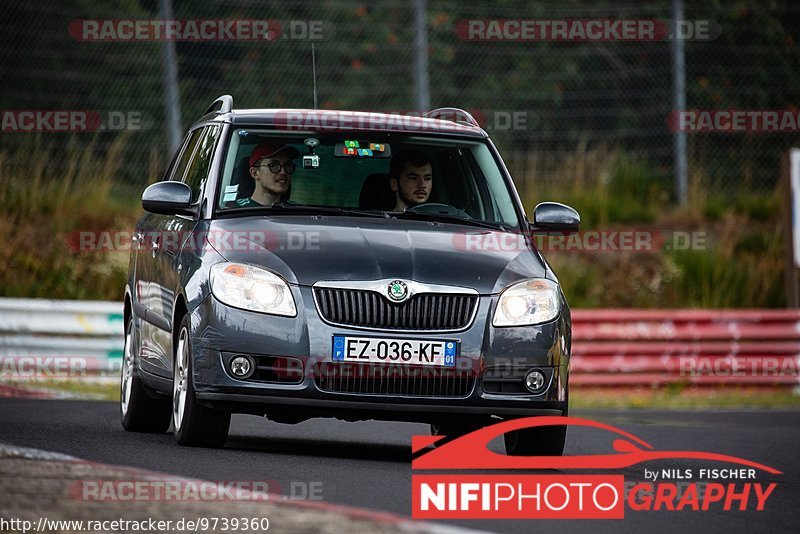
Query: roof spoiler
(453, 114)
(223, 104)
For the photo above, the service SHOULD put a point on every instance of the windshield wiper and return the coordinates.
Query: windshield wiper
(441, 217)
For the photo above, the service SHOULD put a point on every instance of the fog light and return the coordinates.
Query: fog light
(242, 366)
(534, 381)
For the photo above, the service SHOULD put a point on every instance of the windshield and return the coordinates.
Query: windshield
(389, 175)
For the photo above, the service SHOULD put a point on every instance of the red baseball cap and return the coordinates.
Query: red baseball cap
(268, 148)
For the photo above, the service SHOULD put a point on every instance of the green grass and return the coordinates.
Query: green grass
(83, 191)
(43, 212)
(738, 263)
(607, 188)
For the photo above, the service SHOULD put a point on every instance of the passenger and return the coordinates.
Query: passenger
(271, 167)
(411, 178)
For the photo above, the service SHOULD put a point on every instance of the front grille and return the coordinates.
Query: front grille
(390, 380)
(424, 311)
(278, 369)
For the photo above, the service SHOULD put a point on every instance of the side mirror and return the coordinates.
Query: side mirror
(168, 198)
(556, 217)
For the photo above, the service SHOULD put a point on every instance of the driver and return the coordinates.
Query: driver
(411, 177)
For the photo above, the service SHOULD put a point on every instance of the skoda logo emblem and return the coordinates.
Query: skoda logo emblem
(398, 291)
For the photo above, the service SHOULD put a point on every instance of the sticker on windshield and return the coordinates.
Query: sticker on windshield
(362, 149)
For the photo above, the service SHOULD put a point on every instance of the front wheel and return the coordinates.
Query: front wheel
(541, 441)
(194, 424)
(139, 412)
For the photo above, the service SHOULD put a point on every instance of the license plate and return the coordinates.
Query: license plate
(439, 352)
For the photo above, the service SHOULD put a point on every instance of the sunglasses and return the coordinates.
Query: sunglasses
(276, 166)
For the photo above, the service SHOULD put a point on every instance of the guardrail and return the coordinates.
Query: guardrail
(59, 338)
(610, 347)
(698, 347)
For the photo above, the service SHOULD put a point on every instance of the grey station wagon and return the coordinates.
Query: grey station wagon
(313, 263)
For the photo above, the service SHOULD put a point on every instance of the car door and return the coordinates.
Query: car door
(176, 231)
(154, 297)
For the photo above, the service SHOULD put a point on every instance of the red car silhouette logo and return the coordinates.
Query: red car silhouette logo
(470, 451)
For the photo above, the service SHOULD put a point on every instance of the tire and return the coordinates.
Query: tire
(195, 425)
(541, 441)
(139, 412)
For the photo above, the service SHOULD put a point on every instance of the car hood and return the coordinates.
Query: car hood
(306, 249)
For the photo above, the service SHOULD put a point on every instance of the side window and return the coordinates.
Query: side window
(198, 169)
(183, 160)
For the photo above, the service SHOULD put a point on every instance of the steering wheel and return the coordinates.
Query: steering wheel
(438, 208)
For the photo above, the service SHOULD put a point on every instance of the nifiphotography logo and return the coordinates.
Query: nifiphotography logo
(574, 496)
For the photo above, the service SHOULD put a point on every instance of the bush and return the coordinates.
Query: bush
(741, 264)
(40, 212)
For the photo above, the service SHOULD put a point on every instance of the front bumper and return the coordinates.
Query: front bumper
(219, 331)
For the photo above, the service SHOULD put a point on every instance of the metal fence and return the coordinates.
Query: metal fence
(553, 107)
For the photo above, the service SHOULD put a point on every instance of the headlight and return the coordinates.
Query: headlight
(533, 301)
(244, 286)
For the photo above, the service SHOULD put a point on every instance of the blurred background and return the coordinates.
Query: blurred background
(583, 123)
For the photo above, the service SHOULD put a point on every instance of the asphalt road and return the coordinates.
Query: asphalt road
(367, 464)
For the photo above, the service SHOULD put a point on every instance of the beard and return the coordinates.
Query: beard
(409, 200)
(276, 189)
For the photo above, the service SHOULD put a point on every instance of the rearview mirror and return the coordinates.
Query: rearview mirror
(168, 198)
(556, 217)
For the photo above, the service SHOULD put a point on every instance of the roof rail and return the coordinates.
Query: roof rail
(221, 105)
(454, 115)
